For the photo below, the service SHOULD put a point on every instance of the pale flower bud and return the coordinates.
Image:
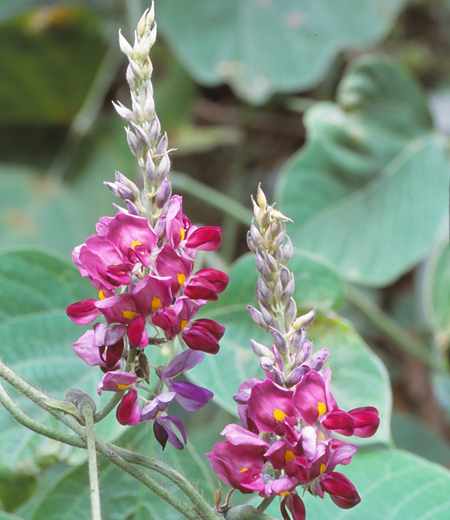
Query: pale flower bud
(306, 319)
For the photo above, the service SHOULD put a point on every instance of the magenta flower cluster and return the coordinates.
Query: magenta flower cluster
(288, 419)
(145, 278)
(287, 442)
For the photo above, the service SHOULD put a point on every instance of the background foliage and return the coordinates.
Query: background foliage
(341, 110)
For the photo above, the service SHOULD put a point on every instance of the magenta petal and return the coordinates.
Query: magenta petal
(83, 313)
(340, 422)
(129, 411)
(240, 436)
(310, 397)
(295, 505)
(366, 421)
(207, 238)
(341, 490)
(269, 405)
(87, 349)
(137, 333)
(117, 381)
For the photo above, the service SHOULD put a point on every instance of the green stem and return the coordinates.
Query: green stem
(212, 197)
(88, 412)
(412, 345)
(265, 503)
(36, 426)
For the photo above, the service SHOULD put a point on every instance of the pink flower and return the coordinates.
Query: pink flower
(129, 412)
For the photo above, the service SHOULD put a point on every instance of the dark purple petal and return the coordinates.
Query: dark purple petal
(191, 397)
(341, 490)
(366, 421)
(182, 362)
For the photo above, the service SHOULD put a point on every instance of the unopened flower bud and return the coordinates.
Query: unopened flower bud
(279, 341)
(289, 291)
(278, 291)
(132, 208)
(305, 319)
(276, 228)
(266, 364)
(123, 111)
(257, 318)
(265, 218)
(296, 344)
(290, 312)
(150, 170)
(259, 262)
(267, 316)
(251, 243)
(133, 143)
(261, 350)
(162, 145)
(164, 194)
(261, 198)
(137, 109)
(155, 129)
(131, 78)
(277, 376)
(142, 24)
(163, 167)
(278, 240)
(265, 292)
(288, 251)
(149, 105)
(119, 209)
(295, 376)
(257, 211)
(141, 135)
(285, 275)
(125, 47)
(271, 262)
(124, 181)
(256, 235)
(305, 350)
(318, 359)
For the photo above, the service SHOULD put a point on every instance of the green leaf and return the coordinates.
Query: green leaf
(32, 281)
(369, 193)
(45, 75)
(411, 434)
(435, 293)
(263, 47)
(359, 378)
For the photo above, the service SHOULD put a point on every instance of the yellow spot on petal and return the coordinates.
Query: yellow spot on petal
(243, 469)
(283, 493)
(156, 303)
(279, 414)
(101, 295)
(322, 468)
(321, 407)
(122, 387)
(183, 234)
(181, 279)
(135, 243)
(128, 315)
(183, 324)
(289, 455)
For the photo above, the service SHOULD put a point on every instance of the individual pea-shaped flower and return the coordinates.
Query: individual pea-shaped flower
(162, 423)
(191, 397)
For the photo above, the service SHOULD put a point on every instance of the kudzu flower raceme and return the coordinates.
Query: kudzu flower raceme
(285, 445)
(142, 264)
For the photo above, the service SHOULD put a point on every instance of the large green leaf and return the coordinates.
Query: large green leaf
(33, 281)
(370, 191)
(393, 484)
(436, 292)
(262, 46)
(359, 378)
(45, 75)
